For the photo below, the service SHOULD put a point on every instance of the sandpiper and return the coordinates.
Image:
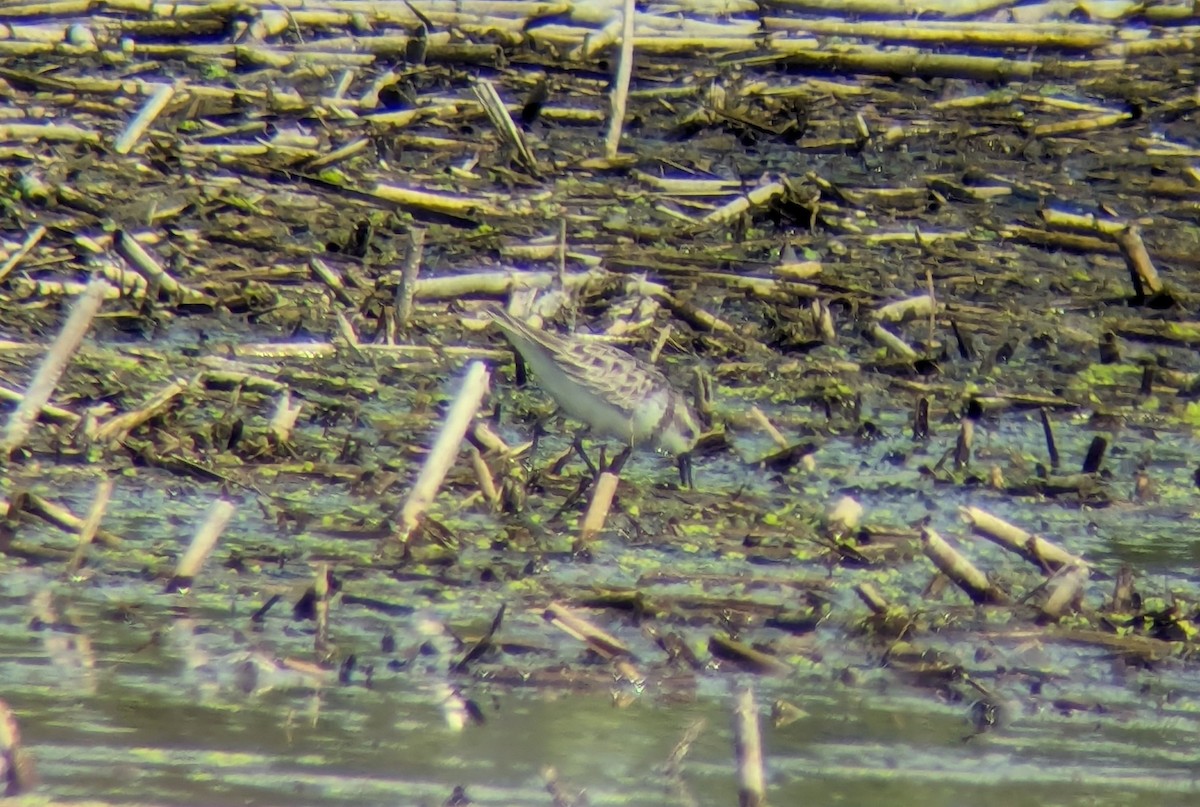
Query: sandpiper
(613, 393)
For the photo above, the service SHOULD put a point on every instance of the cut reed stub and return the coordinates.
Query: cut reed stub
(602, 498)
(445, 450)
(202, 545)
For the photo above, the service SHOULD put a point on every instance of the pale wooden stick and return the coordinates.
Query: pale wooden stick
(758, 198)
(747, 749)
(444, 450)
(919, 306)
(49, 411)
(844, 518)
(892, 342)
(148, 266)
(202, 544)
(760, 417)
(408, 277)
(283, 421)
(872, 598)
(91, 525)
(1033, 548)
(483, 475)
(598, 507)
(497, 113)
(1137, 257)
(603, 643)
(620, 96)
(150, 110)
(31, 240)
(333, 279)
(321, 609)
(118, 427)
(501, 283)
(17, 774)
(63, 518)
(53, 365)
(964, 574)
(1067, 590)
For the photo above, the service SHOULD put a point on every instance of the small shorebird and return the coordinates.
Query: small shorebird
(610, 391)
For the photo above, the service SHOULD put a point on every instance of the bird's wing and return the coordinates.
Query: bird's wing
(602, 370)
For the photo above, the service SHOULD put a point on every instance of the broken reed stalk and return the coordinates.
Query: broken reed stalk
(1066, 591)
(911, 308)
(1033, 548)
(747, 749)
(117, 428)
(602, 498)
(497, 112)
(746, 657)
(844, 519)
(962, 447)
(37, 394)
(620, 95)
(202, 544)
(1141, 268)
(892, 342)
(673, 768)
(660, 342)
(333, 280)
(321, 609)
(871, 598)
(283, 419)
(764, 423)
(702, 395)
(409, 272)
(960, 570)
(151, 268)
(1048, 432)
(483, 476)
(61, 517)
(445, 449)
(91, 525)
(601, 642)
(149, 112)
(16, 766)
(756, 199)
(31, 240)
(484, 437)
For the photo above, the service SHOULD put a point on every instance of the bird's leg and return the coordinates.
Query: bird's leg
(539, 428)
(577, 444)
(619, 461)
(685, 470)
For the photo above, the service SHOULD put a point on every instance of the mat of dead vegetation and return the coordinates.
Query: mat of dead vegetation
(929, 275)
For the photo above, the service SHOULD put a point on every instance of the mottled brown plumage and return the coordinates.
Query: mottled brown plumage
(614, 393)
